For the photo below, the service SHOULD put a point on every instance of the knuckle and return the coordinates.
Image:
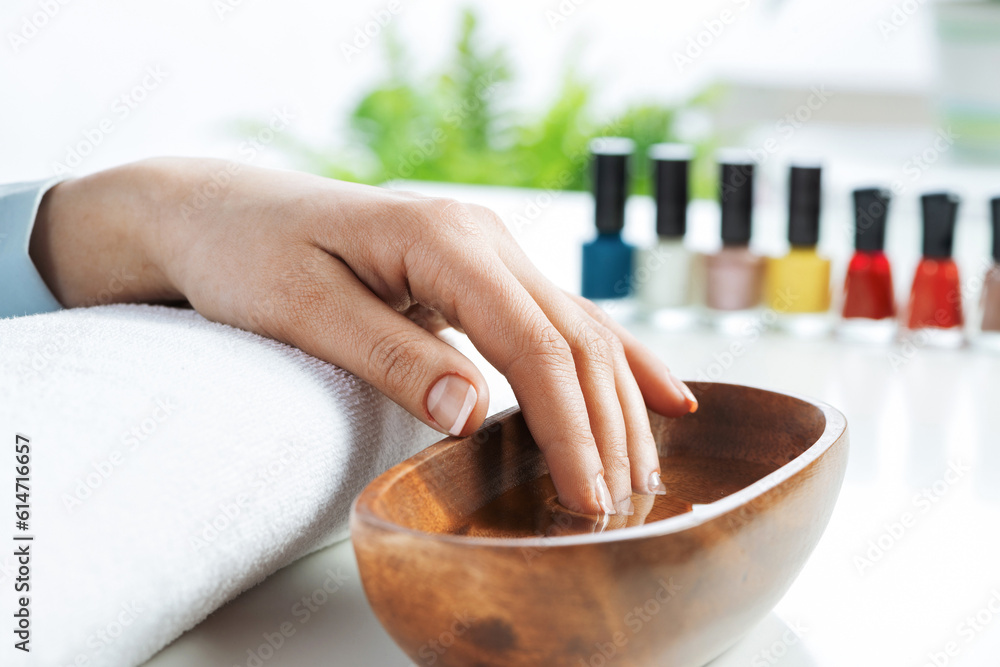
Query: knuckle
(545, 348)
(548, 342)
(614, 343)
(393, 361)
(451, 217)
(594, 311)
(489, 218)
(615, 457)
(594, 347)
(447, 242)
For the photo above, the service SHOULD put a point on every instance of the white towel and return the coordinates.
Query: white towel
(175, 462)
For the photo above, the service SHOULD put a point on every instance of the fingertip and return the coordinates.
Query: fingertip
(586, 498)
(454, 403)
(689, 396)
(690, 400)
(672, 397)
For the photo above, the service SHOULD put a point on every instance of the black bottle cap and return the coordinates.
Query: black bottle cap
(611, 155)
(803, 205)
(940, 211)
(995, 211)
(735, 198)
(871, 210)
(670, 164)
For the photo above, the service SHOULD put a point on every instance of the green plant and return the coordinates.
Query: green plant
(454, 127)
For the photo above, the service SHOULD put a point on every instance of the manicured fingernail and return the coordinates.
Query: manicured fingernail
(451, 401)
(625, 507)
(686, 390)
(656, 484)
(604, 496)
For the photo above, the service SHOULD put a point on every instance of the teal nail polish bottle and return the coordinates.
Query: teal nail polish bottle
(607, 260)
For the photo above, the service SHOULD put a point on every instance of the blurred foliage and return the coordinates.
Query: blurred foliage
(455, 126)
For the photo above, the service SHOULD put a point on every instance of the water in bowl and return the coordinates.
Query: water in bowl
(532, 509)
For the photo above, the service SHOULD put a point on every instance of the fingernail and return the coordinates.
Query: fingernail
(604, 496)
(684, 389)
(626, 507)
(656, 485)
(451, 401)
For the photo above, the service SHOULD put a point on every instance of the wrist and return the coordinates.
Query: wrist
(91, 239)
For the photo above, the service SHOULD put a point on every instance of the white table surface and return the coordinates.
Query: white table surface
(906, 602)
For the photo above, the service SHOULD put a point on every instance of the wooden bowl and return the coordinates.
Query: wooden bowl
(674, 592)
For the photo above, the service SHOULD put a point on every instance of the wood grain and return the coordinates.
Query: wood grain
(673, 592)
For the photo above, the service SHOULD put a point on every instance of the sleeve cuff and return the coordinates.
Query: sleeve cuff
(22, 290)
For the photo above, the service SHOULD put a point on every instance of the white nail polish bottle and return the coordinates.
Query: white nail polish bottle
(663, 274)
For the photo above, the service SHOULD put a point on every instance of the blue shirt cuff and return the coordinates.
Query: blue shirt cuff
(22, 290)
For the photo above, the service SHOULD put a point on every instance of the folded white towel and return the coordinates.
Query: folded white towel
(174, 463)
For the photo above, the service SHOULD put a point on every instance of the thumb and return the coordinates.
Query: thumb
(344, 323)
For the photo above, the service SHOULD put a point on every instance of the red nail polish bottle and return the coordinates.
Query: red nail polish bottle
(934, 316)
(869, 308)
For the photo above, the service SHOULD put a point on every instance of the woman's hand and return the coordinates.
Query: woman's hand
(334, 268)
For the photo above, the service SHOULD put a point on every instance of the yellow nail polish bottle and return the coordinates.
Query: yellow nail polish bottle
(797, 286)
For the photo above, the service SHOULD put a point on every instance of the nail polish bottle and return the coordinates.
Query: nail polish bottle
(797, 286)
(607, 260)
(869, 308)
(934, 316)
(989, 328)
(734, 275)
(663, 273)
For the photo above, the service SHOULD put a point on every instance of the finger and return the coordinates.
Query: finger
(565, 522)
(664, 393)
(643, 506)
(330, 314)
(473, 288)
(618, 413)
(427, 319)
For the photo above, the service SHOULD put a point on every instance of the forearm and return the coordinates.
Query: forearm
(93, 237)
